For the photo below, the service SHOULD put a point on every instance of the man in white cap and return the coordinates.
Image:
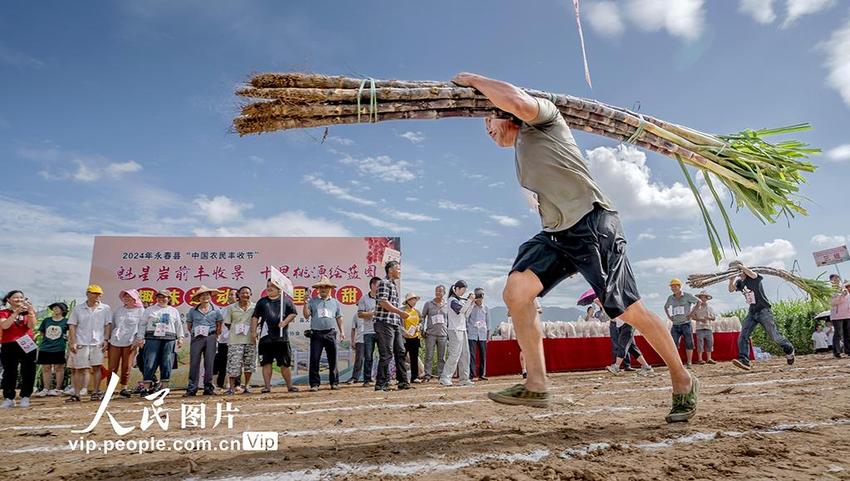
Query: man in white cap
(272, 316)
(325, 315)
(87, 341)
(203, 322)
(703, 315)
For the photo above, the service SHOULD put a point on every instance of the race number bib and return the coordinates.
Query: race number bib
(53, 332)
(480, 324)
(201, 331)
(241, 329)
(750, 296)
(325, 312)
(411, 331)
(160, 330)
(438, 319)
(26, 342)
(678, 310)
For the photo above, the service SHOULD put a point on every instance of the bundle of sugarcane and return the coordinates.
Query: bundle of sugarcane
(816, 289)
(761, 176)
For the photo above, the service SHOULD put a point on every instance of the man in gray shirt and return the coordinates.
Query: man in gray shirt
(435, 314)
(366, 311)
(325, 314)
(679, 307)
(581, 234)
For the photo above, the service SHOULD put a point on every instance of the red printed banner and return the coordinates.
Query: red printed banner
(183, 264)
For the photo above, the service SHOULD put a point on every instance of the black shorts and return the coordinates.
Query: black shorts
(275, 350)
(595, 248)
(49, 358)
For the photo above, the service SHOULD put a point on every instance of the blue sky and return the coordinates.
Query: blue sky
(115, 119)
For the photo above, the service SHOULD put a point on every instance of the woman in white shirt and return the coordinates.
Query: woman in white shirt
(123, 334)
(458, 357)
(160, 330)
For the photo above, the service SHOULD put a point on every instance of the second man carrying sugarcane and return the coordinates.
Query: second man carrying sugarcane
(581, 234)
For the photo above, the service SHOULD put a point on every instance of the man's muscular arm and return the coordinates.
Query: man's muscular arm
(503, 95)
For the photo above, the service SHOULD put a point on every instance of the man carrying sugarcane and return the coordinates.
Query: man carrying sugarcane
(581, 234)
(750, 284)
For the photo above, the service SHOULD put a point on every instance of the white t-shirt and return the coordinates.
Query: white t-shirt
(90, 322)
(820, 340)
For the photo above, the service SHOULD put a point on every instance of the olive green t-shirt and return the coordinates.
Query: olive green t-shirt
(550, 165)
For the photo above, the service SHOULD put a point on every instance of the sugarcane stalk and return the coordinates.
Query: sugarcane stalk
(760, 176)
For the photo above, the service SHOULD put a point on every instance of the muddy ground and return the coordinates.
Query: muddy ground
(774, 422)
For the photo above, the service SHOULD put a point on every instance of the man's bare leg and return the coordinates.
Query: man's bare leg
(520, 291)
(655, 332)
(286, 373)
(267, 376)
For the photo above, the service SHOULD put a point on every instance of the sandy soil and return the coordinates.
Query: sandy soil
(775, 422)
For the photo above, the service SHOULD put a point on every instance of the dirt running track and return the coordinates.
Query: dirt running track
(772, 423)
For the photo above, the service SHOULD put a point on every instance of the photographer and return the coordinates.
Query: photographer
(17, 323)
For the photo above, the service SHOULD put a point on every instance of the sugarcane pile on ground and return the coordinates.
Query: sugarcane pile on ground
(816, 289)
(761, 176)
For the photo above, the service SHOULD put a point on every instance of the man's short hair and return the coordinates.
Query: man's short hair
(389, 265)
(834, 276)
(374, 280)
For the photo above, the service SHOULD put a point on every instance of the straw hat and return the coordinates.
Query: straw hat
(203, 290)
(410, 296)
(705, 294)
(94, 289)
(164, 292)
(675, 282)
(324, 282)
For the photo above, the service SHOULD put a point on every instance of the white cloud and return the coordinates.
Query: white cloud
(799, 8)
(257, 159)
(18, 59)
(47, 255)
(117, 169)
(284, 224)
(220, 209)
(332, 189)
(382, 167)
(341, 140)
(86, 167)
(838, 63)
(373, 221)
(760, 10)
(84, 172)
(773, 254)
(604, 17)
(646, 236)
(402, 215)
(826, 241)
(839, 154)
(681, 18)
(488, 233)
(496, 184)
(505, 220)
(412, 199)
(449, 205)
(623, 174)
(413, 137)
